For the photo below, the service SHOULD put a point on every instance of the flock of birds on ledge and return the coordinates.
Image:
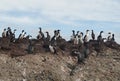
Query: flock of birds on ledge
(79, 45)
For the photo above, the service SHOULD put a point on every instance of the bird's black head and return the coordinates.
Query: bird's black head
(46, 32)
(22, 30)
(8, 28)
(101, 32)
(113, 35)
(81, 33)
(55, 31)
(5, 29)
(40, 28)
(109, 32)
(15, 30)
(73, 30)
(87, 30)
(58, 30)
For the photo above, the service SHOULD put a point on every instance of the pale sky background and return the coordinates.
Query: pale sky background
(65, 15)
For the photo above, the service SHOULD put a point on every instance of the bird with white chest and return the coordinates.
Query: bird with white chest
(41, 34)
(86, 37)
(52, 49)
(80, 38)
(21, 36)
(73, 35)
(48, 38)
(76, 39)
(109, 36)
(4, 33)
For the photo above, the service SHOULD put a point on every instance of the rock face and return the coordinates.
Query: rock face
(50, 67)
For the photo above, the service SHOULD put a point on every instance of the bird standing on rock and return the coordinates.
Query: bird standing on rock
(99, 38)
(9, 32)
(80, 38)
(93, 35)
(73, 35)
(86, 39)
(80, 56)
(52, 49)
(40, 35)
(48, 38)
(113, 38)
(109, 36)
(21, 36)
(13, 36)
(4, 33)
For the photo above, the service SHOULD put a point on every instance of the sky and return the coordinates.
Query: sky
(65, 15)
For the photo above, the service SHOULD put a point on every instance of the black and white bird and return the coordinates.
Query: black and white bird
(30, 49)
(86, 51)
(113, 38)
(73, 35)
(80, 56)
(58, 33)
(9, 32)
(93, 35)
(48, 38)
(21, 36)
(52, 49)
(86, 37)
(55, 32)
(75, 40)
(109, 36)
(13, 36)
(24, 35)
(54, 36)
(4, 33)
(80, 38)
(99, 38)
(28, 36)
(41, 34)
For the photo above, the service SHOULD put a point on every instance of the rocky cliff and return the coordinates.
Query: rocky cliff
(62, 67)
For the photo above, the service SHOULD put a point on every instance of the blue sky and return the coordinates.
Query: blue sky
(61, 14)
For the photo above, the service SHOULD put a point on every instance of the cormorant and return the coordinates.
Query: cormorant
(9, 32)
(80, 38)
(52, 49)
(13, 36)
(21, 36)
(48, 36)
(4, 34)
(113, 38)
(86, 37)
(109, 37)
(40, 35)
(93, 35)
(99, 38)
